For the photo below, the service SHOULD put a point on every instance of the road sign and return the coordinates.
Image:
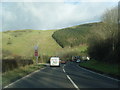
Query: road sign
(36, 53)
(36, 47)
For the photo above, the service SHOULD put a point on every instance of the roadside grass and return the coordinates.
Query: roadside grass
(102, 67)
(11, 76)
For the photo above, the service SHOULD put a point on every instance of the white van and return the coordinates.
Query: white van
(54, 61)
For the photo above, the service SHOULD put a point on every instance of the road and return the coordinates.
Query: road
(68, 75)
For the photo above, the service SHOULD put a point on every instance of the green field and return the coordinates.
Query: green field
(22, 42)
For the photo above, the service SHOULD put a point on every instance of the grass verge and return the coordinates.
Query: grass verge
(111, 70)
(11, 76)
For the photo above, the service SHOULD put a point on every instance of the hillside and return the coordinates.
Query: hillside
(73, 36)
(0, 45)
(22, 42)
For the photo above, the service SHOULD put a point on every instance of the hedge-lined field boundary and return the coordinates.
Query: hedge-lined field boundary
(8, 65)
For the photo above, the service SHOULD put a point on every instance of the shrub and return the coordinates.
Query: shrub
(11, 64)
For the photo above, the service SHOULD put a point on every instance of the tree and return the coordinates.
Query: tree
(105, 41)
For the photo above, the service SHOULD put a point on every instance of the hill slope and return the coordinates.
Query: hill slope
(73, 36)
(22, 42)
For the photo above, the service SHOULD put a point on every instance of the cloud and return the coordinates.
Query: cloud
(59, 0)
(32, 0)
(50, 15)
(97, 0)
(0, 16)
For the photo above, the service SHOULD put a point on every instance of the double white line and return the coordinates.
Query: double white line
(70, 79)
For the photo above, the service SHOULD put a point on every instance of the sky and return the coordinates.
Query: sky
(51, 14)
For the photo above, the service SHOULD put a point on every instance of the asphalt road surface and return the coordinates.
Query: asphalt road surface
(68, 75)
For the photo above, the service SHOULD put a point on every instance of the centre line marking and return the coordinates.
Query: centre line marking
(63, 70)
(73, 83)
(71, 79)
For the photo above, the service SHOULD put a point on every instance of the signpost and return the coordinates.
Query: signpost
(36, 53)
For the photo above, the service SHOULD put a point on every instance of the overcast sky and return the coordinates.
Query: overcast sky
(53, 14)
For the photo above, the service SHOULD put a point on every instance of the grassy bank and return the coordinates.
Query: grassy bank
(101, 67)
(22, 42)
(11, 76)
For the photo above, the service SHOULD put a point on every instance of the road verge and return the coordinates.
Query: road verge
(12, 76)
(111, 70)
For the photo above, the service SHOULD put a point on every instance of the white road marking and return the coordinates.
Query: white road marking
(70, 79)
(63, 70)
(64, 65)
(22, 78)
(99, 74)
(73, 83)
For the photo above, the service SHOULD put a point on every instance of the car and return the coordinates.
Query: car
(54, 61)
(72, 60)
(78, 61)
(63, 62)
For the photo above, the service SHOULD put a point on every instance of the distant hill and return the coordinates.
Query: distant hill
(73, 36)
(22, 42)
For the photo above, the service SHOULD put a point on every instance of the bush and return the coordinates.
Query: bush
(10, 64)
(43, 59)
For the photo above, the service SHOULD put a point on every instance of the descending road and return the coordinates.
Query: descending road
(65, 76)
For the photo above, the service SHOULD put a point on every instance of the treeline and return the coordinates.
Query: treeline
(104, 41)
(73, 36)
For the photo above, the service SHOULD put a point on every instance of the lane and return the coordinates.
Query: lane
(68, 76)
(85, 79)
(50, 77)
